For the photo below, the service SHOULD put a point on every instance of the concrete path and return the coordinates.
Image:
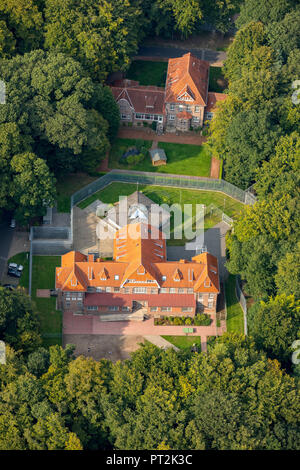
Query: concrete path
(130, 133)
(160, 342)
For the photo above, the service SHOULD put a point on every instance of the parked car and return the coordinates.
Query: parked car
(12, 223)
(15, 270)
(53, 293)
(9, 286)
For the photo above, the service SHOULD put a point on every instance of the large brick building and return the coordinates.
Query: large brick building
(138, 281)
(184, 103)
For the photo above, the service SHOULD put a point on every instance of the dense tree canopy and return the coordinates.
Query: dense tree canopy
(21, 26)
(275, 325)
(101, 35)
(233, 397)
(19, 325)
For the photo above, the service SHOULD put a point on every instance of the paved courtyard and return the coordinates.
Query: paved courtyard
(111, 347)
(84, 232)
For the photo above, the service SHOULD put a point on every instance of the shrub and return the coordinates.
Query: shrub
(154, 125)
(201, 319)
(177, 321)
(145, 124)
(188, 321)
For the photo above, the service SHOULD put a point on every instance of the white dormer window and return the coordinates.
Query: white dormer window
(207, 283)
(116, 277)
(163, 278)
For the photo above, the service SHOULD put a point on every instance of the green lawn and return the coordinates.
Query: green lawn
(147, 72)
(217, 82)
(182, 159)
(184, 342)
(69, 184)
(43, 277)
(167, 195)
(235, 315)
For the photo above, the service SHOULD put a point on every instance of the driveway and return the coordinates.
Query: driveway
(6, 237)
(215, 58)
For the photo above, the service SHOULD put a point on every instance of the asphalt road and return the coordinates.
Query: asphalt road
(171, 52)
(6, 236)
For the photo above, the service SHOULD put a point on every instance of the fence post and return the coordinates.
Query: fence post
(243, 303)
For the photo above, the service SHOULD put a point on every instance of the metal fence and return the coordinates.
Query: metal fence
(242, 301)
(178, 181)
(48, 241)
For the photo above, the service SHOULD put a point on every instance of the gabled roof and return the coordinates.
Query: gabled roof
(187, 76)
(143, 99)
(139, 260)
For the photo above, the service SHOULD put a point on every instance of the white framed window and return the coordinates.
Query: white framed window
(180, 290)
(187, 309)
(181, 107)
(99, 289)
(107, 289)
(116, 289)
(200, 298)
(163, 278)
(166, 309)
(172, 107)
(116, 277)
(125, 309)
(197, 109)
(163, 290)
(190, 290)
(92, 307)
(113, 308)
(139, 290)
(172, 290)
(210, 296)
(210, 304)
(172, 117)
(153, 309)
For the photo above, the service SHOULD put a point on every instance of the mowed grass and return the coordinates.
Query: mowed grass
(147, 72)
(69, 184)
(43, 277)
(184, 342)
(166, 195)
(182, 159)
(235, 314)
(217, 81)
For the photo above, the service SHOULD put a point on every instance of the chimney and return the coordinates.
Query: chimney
(91, 258)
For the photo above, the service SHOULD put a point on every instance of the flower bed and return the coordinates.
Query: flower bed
(200, 319)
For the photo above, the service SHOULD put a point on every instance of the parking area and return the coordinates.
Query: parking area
(85, 237)
(111, 347)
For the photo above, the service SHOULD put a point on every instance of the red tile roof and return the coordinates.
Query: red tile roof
(184, 115)
(187, 75)
(139, 260)
(146, 100)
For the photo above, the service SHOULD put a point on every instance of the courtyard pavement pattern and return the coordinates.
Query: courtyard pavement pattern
(91, 325)
(192, 138)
